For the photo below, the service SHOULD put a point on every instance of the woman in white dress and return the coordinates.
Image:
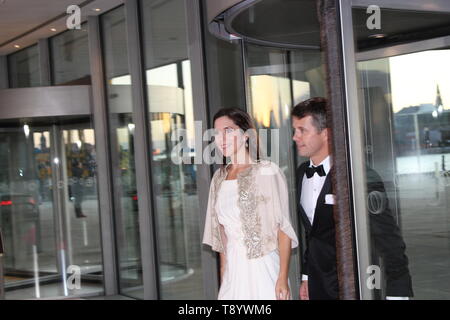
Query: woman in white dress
(247, 219)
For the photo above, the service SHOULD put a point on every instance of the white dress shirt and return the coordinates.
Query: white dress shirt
(311, 189)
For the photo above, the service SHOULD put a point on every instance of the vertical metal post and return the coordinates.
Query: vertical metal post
(143, 154)
(196, 56)
(246, 75)
(57, 201)
(329, 19)
(44, 62)
(355, 146)
(104, 174)
(63, 183)
(417, 137)
(292, 158)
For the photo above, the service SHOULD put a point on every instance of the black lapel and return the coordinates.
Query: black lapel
(300, 175)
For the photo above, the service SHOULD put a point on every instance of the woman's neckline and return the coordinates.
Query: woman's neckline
(251, 164)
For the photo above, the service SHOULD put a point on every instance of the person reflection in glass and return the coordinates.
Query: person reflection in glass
(315, 207)
(247, 219)
(77, 187)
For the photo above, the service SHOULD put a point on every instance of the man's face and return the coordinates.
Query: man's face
(309, 140)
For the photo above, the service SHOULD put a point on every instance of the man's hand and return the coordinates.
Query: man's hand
(304, 295)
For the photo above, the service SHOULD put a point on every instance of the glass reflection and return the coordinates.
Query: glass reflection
(27, 211)
(122, 150)
(23, 68)
(170, 108)
(70, 57)
(407, 137)
(278, 80)
(45, 241)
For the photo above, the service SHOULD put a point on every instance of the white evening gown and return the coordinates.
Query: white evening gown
(243, 279)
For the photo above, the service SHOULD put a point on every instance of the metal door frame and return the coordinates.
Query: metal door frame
(354, 114)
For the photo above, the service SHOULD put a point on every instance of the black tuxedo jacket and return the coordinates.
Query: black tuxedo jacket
(319, 258)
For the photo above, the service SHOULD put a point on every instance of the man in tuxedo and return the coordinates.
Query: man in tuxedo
(315, 205)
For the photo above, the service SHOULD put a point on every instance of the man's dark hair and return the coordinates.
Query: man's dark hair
(314, 107)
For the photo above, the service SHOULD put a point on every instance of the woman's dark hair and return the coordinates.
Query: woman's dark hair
(245, 122)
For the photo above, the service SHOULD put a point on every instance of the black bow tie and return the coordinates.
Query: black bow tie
(311, 170)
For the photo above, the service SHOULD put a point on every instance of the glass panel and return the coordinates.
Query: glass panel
(271, 99)
(122, 152)
(397, 27)
(170, 106)
(278, 80)
(406, 107)
(27, 212)
(224, 68)
(23, 68)
(49, 250)
(81, 204)
(70, 57)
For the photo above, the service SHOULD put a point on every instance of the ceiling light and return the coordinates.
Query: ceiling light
(26, 130)
(16, 46)
(97, 9)
(53, 29)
